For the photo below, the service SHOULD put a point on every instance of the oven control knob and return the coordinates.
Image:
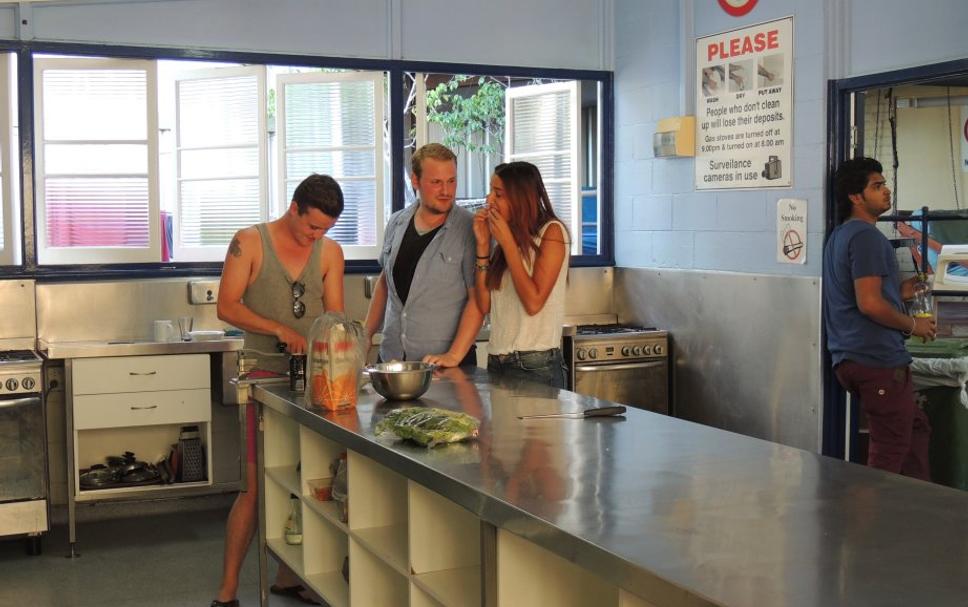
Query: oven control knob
(580, 353)
(12, 384)
(637, 350)
(659, 349)
(593, 353)
(647, 350)
(27, 383)
(626, 351)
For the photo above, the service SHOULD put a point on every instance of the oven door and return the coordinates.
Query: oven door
(644, 385)
(23, 449)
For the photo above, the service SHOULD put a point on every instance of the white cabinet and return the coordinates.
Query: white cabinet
(138, 404)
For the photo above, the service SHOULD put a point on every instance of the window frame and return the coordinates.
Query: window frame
(50, 256)
(378, 78)
(188, 254)
(396, 69)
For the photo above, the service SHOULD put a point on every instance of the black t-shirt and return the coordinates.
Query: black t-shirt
(411, 248)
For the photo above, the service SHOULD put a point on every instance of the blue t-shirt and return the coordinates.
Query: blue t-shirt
(857, 249)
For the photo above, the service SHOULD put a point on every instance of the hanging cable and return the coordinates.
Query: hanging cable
(877, 127)
(892, 119)
(951, 150)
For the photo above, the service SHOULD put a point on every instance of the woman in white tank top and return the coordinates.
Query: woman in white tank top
(522, 281)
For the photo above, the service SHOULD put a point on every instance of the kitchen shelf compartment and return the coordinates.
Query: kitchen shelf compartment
(290, 555)
(630, 600)
(286, 477)
(389, 544)
(323, 550)
(452, 587)
(316, 455)
(442, 534)
(328, 510)
(281, 436)
(530, 575)
(373, 582)
(420, 598)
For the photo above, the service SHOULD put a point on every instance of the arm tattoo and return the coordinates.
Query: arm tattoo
(235, 248)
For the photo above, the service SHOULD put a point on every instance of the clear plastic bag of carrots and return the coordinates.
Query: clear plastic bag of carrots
(337, 352)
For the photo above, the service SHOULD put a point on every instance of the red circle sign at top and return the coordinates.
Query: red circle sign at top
(737, 8)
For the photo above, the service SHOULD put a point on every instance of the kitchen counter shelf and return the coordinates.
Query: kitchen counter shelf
(286, 476)
(287, 553)
(88, 495)
(452, 587)
(328, 510)
(331, 586)
(389, 544)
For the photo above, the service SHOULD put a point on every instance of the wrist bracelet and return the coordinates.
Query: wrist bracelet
(914, 324)
(483, 266)
(483, 256)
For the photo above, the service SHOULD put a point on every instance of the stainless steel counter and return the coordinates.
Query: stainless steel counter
(674, 512)
(90, 348)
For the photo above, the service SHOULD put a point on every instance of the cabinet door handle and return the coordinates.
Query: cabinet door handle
(148, 373)
(144, 408)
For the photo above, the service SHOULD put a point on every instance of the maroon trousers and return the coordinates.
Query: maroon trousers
(899, 429)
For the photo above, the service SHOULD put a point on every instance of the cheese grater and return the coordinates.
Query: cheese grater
(193, 455)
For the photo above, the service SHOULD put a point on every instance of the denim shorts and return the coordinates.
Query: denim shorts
(541, 366)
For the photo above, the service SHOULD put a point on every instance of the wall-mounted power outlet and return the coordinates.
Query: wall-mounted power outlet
(202, 291)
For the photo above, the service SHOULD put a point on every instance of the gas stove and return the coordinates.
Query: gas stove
(625, 364)
(19, 372)
(614, 342)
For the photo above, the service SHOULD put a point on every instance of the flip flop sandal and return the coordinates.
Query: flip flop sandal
(218, 603)
(294, 592)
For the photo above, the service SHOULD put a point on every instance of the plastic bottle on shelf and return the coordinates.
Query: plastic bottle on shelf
(293, 530)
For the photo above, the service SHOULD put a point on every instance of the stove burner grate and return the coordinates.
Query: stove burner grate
(17, 356)
(612, 329)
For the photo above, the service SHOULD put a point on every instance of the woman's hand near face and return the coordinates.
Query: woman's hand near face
(482, 231)
(500, 229)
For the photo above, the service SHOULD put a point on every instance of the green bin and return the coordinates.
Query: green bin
(948, 417)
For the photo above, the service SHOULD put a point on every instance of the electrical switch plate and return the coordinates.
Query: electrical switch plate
(202, 291)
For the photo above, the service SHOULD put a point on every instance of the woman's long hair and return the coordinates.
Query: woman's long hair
(530, 210)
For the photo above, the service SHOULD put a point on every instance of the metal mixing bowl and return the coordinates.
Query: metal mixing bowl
(400, 380)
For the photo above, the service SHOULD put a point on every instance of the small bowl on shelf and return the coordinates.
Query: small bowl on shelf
(321, 488)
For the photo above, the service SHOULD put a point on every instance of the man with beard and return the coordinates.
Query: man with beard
(424, 295)
(866, 321)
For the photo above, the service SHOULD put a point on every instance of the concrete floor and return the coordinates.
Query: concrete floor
(150, 559)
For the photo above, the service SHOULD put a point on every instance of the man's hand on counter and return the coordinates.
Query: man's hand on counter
(443, 360)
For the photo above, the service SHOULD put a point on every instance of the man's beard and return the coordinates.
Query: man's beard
(434, 210)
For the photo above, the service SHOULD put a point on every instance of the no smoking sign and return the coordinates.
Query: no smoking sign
(791, 230)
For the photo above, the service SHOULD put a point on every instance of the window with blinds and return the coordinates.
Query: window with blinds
(542, 126)
(96, 161)
(332, 123)
(221, 159)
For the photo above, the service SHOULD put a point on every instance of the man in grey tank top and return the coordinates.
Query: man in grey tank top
(277, 278)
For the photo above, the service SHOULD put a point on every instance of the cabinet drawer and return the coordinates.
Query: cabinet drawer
(140, 373)
(141, 409)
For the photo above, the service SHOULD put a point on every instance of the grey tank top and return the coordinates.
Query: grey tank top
(270, 296)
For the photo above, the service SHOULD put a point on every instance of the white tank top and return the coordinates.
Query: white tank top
(512, 329)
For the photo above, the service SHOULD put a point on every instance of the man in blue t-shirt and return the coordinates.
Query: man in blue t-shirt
(866, 322)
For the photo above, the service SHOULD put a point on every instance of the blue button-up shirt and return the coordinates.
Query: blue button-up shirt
(428, 322)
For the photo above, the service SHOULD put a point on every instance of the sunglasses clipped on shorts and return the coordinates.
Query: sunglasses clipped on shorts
(298, 307)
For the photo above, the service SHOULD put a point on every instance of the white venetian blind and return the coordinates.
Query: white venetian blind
(221, 159)
(331, 123)
(97, 191)
(542, 123)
